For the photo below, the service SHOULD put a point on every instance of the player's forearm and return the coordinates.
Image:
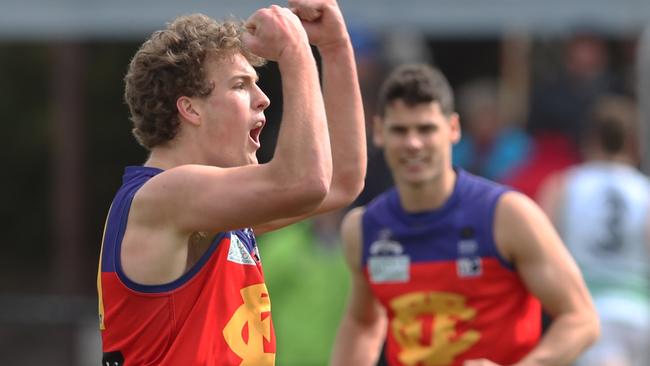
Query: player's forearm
(346, 123)
(303, 153)
(566, 338)
(357, 344)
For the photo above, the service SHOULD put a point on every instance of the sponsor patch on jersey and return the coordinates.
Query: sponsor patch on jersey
(389, 268)
(469, 266)
(238, 253)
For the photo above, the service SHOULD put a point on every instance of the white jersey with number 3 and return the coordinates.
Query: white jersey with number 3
(605, 226)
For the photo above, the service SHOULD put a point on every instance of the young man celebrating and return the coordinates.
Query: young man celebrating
(180, 280)
(447, 267)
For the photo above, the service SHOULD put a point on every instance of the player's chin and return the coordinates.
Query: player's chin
(416, 177)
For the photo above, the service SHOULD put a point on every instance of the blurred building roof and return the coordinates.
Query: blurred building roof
(125, 19)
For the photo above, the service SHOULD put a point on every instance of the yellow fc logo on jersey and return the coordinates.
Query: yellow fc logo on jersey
(256, 305)
(445, 344)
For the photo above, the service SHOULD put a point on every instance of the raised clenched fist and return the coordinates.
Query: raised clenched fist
(323, 21)
(272, 31)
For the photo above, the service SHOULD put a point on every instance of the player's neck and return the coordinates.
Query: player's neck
(620, 158)
(170, 156)
(427, 196)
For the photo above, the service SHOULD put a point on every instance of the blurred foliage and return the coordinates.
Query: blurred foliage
(308, 283)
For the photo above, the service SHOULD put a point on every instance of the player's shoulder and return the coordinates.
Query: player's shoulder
(552, 188)
(162, 194)
(519, 225)
(515, 201)
(352, 220)
(516, 212)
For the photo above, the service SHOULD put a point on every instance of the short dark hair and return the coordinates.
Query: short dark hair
(613, 122)
(416, 84)
(170, 64)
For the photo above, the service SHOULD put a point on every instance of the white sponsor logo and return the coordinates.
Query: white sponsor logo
(389, 268)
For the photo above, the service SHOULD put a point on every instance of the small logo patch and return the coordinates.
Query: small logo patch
(469, 263)
(467, 247)
(238, 253)
(469, 266)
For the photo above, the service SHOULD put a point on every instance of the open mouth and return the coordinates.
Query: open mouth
(254, 134)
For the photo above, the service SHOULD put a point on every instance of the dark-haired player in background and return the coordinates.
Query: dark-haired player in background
(450, 268)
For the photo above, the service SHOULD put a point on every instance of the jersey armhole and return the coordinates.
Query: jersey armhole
(490, 222)
(161, 288)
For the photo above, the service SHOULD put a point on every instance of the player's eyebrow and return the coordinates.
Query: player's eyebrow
(254, 77)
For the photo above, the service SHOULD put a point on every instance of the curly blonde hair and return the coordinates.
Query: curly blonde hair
(171, 64)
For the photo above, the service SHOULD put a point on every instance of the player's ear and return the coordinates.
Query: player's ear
(454, 126)
(378, 131)
(188, 111)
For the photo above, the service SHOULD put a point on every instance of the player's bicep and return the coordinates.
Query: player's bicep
(205, 198)
(541, 259)
(333, 201)
(363, 307)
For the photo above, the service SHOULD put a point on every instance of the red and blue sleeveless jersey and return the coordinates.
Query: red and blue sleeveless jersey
(448, 294)
(217, 313)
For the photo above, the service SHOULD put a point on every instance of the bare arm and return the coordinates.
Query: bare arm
(326, 29)
(526, 237)
(362, 329)
(342, 96)
(193, 198)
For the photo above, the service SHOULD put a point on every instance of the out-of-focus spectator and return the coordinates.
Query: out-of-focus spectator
(601, 209)
(560, 102)
(368, 53)
(558, 108)
(489, 146)
(550, 152)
